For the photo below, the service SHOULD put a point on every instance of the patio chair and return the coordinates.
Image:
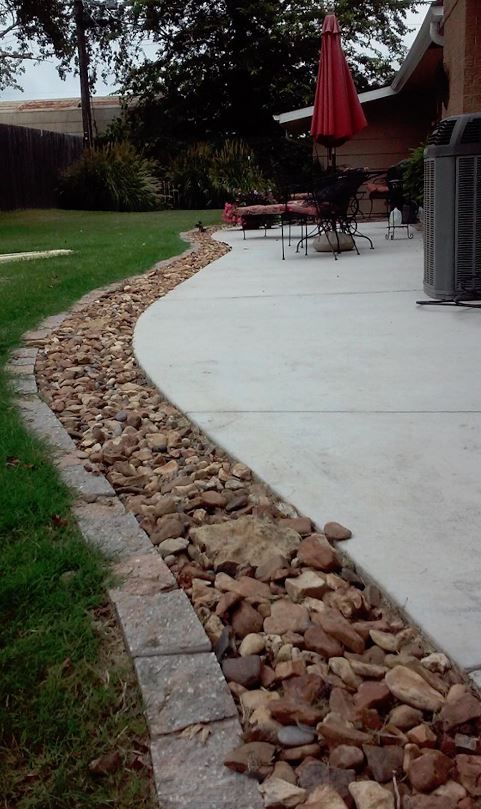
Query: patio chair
(332, 209)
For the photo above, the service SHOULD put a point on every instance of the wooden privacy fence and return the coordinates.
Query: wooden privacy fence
(30, 163)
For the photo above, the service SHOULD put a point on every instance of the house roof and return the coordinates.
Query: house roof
(54, 104)
(426, 37)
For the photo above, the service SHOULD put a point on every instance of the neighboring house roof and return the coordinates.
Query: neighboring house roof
(427, 35)
(55, 104)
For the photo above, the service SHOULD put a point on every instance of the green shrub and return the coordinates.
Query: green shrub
(413, 175)
(190, 173)
(114, 177)
(234, 170)
(207, 177)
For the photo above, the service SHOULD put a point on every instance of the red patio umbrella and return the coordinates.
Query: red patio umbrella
(337, 114)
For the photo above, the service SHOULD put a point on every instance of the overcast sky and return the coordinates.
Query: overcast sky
(43, 81)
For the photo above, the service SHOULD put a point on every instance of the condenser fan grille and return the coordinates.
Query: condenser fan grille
(429, 172)
(468, 224)
(442, 134)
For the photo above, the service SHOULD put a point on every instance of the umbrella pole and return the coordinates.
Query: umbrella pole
(331, 158)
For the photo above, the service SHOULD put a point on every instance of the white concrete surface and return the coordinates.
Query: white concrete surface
(349, 400)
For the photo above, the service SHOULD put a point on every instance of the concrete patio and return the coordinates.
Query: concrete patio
(349, 400)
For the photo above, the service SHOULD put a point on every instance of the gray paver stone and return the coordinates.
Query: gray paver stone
(111, 529)
(85, 483)
(40, 418)
(142, 575)
(191, 775)
(25, 385)
(162, 624)
(183, 690)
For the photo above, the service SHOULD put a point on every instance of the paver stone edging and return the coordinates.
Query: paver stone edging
(190, 711)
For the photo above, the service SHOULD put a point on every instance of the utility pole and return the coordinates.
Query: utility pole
(83, 60)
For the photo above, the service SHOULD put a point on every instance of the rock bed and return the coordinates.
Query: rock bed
(340, 701)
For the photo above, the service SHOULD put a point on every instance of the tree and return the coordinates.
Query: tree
(34, 30)
(224, 67)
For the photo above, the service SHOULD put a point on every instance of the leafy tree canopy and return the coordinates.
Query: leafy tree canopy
(224, 67)
(32, 30)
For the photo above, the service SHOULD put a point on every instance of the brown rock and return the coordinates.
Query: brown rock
(336, 532)
(243, 670)
(309, 583)
(290, 712)
(429, 802)
(312, 774)
(286, 617)
(372, 694)
(300, 753)
(422, 735)
(342, 703)
(346, 757)
(268, 676)
(247, 540)
(316, 552)
(316, 640)
(469, 770)
(212, 499)
(384, 762)
(404, 717)
(281, 794)
(226, 602)
(467, 803)
(411, 688)
(338, 627)
(290, 668)
(370, 795)
(324, 797)
(246, 620)
(254, 758)
(262, 727)
(429, 770)
(368, 670)
(302, 525)
(461, 706)
(284, 770)
(337, 730)
(307, 688)
(170, 526)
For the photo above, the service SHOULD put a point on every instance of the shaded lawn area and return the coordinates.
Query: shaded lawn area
(67, 693)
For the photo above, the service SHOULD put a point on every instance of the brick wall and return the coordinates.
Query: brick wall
(462, 55)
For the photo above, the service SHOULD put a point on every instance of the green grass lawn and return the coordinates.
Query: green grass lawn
(66, 692)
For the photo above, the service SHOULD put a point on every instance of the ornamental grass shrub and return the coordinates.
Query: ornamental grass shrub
(113, 177)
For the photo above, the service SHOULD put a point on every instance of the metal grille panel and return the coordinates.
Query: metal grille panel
(429, 207)
(468, 225)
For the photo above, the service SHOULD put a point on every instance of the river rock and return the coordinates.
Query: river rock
(372, 694)
(279, 793)
(336, 532)
(411, 688)
(315, 551)
(339, 731)
(371, 795)
(246, 620)
(309, 583)
(469, 770)
(252, 644)
(243, 670)
(170, 526)
(253, 758)
(324, 797)
(286, 617)
(405, 717)
(338, 627)
(429, 770)
(246, 541)
(295, 736)
(292, 712)
(316, 640)
(346, 757)
(384, 762)
(461, 706)
(312, 773)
